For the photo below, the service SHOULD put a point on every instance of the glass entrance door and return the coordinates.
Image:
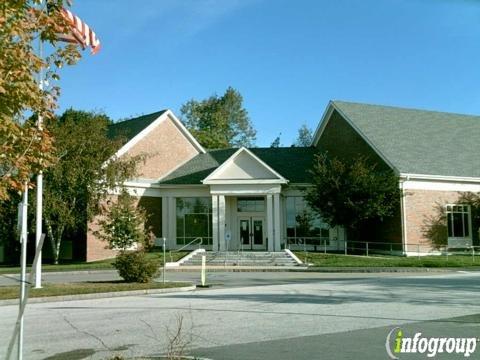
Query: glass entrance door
(252, 233)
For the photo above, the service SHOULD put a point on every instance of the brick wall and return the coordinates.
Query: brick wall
(98, 249)
(166, 148)
(340, 140)
(424, 210)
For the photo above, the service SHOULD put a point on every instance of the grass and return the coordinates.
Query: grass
(96, 265)
(11, 292)
(335, 260)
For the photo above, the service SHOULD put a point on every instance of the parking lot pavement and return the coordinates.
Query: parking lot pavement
(335, 317)
(217, 278)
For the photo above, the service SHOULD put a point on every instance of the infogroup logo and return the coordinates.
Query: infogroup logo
(397, 343)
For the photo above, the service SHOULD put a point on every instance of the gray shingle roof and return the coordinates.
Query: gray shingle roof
(128, 129)
(293, 163)
(419, 141)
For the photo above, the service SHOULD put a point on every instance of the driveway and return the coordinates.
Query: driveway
(344, 317)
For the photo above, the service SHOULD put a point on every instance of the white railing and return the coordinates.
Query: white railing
(195, 241)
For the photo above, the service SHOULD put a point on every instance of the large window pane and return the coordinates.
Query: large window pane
(194, 219)
(303, 223)
(458, 221)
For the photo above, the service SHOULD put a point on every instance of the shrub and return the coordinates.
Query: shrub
(134, 266)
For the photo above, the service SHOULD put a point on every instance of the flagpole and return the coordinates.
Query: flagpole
(23, 266)
(39, 197)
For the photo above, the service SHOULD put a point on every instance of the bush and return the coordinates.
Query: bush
(134, 266)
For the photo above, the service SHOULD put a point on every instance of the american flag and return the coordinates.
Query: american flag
(80, 32)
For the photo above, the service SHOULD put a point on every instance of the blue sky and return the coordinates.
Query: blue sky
(287, 58)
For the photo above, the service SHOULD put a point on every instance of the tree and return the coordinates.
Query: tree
(305, 136)
(80, 180)
(352, 194)
(25, 149)
(124, 224)
(124, 229)
(219, 122)
(276, 142)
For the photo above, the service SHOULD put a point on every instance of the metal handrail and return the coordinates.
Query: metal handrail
(186, 245)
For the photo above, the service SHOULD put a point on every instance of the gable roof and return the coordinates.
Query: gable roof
(132, 127)
(415, 141)
(244, 165)
(137, 128)
(292, 163)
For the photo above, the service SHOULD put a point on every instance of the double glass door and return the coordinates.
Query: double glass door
(252, 232)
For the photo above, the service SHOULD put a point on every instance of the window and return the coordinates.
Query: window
(304, 223)
(194, 219)
(251, 204)
(458, 221)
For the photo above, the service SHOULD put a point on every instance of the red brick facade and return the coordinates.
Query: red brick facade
(424, 210)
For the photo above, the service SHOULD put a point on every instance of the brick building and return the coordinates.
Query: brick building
(252, 199)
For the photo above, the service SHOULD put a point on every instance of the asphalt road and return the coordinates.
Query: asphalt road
(218, 278)
(334, 317)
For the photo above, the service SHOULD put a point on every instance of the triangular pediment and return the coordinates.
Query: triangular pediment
(243, 165)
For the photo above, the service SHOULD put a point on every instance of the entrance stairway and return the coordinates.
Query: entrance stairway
(250, 258)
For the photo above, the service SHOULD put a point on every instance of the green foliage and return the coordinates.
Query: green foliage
(124, 224)
(76, 185)
(134, 266)
(276, 142)
(219, 121)
(305, 136)
(352, 194)
(25, 148)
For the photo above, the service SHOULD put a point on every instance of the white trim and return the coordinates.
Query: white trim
(168, 114)
(243, 182)
(328, 114)
(245, 189)
(270, 241)
(162, 186)
(210, 178)
(277, 231)
(408, 176)
(403, 216)
(440, 186)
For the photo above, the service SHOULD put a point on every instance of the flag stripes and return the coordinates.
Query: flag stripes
(81, 33)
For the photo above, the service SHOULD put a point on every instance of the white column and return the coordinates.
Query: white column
(221, 223)
(165, 218)
(270, 243)
(277, 230)
(172, 226)
(214, 222)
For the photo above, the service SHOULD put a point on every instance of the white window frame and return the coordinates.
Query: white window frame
(457, 241)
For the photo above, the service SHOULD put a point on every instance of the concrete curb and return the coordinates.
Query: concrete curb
(74, 272)
(323, 269)
(48, 299)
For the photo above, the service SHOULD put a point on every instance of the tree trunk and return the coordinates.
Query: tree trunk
(55, 241)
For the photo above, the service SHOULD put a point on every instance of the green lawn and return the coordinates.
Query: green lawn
(334, 260)
(96, 265)
(11, 292)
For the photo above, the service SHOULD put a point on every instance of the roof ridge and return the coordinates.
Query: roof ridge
(394, 107)
(139, 117)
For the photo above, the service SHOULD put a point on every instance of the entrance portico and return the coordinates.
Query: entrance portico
(232, 224)
(241, 181)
